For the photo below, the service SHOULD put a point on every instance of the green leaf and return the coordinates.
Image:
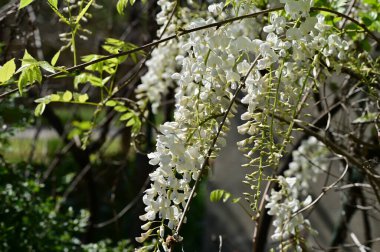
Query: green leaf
(29, 74)
(46, 66)
(96, 66)
(27, 62)
(83, 125)
(83, 98)
(39, 109)
(79, 79)
(111, 103)
(365, 45)
(120, 108)
(113, 46)
(369, 117)
(67, 96)
(84, 10)
(367, 21)
(95, 81)
(24, 3)
(226, 196)
(45, 99)
(130, 122)
(120, 6)
(235, 200)
(7, 70)
(35, 74)
(126, 116)
(55, 9)
(86, 77)
(137, 126)
(55, 58)
(55, 97)
(216, 195)
(105, 80)
(53, 3)
(28, 59)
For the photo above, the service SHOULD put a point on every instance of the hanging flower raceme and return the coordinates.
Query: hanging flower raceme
(155, 84)
(210, 72)
(278, 70)
(291, 61)
(182, 147)
(309, 160)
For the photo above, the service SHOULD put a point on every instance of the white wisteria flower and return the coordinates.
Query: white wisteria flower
(206, 66)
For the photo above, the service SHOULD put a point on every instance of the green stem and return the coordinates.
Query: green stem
(296, 110)
(73, 44)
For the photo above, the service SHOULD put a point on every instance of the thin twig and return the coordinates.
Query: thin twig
(324, 191)
(340, 188)
(125, 209)
(366, 221)
(57, 160)
(360, 246)
(347, 245)
(72, 185)
(349, 9)
(33, 146)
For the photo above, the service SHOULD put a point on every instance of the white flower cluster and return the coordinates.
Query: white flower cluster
(167, 195)
(157, 81)
(283, 204)
(308, 161)
(212, 64)
(208, 76)
(297, 8)
(292, 58)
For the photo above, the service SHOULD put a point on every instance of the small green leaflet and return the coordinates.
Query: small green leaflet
(114, 45)
(129, 116)
(55, 9)
(39, 109)
(24, 3)
(367, 118)
(122, 4)
(111, 103)
(55, 58)
(87, 77)
(67, 96)
(46, 66)
(131, 122)
(30, 70)
(339, 5)
(84, 10)
(121, 108)
(7, 71)
(126, 116)
(82, 98)
(55, 97)
(29, 75)
(135, 123)
(219, 194)
(27, 59)
(83, 125)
